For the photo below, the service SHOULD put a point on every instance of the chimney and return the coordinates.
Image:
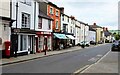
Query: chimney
(94, 24)
(62, 9)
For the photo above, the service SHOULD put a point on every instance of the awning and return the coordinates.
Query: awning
(60, 36)
(70, 37)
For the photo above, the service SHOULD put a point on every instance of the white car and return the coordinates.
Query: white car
(86, 43)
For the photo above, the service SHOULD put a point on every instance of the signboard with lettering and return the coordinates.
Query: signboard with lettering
(0, 41)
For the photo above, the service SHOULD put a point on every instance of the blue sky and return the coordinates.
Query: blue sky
(103, 12)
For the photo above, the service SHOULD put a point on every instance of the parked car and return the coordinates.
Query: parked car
(92, 42)
(85, 43)
(100, 42)
(116, 46)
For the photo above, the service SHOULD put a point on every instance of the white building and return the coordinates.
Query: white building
(77, 32)
(5, 26)
(23, 29)
(91, 35)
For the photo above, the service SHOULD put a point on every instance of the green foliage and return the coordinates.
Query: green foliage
(117, 37)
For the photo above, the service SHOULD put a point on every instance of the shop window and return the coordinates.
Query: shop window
(23, 42)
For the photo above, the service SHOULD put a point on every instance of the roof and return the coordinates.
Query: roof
(50, 3)
(107, 33)
(95, 26)
(43, 15)
(91, 29)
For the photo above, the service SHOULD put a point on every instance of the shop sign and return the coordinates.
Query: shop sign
(0, 41)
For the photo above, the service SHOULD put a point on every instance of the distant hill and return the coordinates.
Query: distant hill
(114, 31)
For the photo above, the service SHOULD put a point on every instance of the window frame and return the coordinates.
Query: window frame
(40, 23)
(57, 25)
(25, 22)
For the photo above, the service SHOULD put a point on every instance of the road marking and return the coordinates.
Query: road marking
(81, 69)
(99, 55)
(96, 62)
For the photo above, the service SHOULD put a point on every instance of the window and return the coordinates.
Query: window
(71, 29)
(56, 13)
(68, 19)
(40, 23)
(23, 42)
(51, 10)
(28, 2)
(49, 24)
(63, 17)
(56, 24)
(25, 20)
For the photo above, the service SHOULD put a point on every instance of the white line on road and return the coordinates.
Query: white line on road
(96, 62)
(81, 69)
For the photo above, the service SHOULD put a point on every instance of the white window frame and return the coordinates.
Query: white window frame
(57, 24)
(51, 11)
(25, 22)
(57, 12)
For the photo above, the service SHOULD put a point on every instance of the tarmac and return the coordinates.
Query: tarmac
(107, 64)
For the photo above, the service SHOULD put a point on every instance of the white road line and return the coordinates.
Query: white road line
(81, 69)
(96, 62)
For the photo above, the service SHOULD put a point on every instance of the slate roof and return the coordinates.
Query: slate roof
(43, 15)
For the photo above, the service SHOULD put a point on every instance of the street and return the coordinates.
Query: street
(62, 63)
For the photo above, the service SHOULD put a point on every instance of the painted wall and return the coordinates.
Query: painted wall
(91, 36)
(54, 17)
(5, 30)
(29, 9)
(5, 8)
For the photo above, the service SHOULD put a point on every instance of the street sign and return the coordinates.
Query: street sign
(17, 30)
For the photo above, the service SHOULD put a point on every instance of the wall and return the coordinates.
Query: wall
(23, 8)
(53, 16)
(4, 31)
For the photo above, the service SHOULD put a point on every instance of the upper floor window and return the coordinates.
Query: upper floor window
(56, 12)
(28, 2)
(56, 24)
(25, 20)
(51, 10)
(49, 24)
(40, 23)
(62, 17)
(68, 19)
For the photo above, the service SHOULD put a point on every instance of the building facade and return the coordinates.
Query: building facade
(99, 33)
(44, 32)
(23, 29)
(5, 25)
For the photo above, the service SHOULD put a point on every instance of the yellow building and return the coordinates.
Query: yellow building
(99, 33)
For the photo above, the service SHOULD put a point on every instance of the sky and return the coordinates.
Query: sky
(102, 12)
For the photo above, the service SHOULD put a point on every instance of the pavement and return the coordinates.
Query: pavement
(107, 64)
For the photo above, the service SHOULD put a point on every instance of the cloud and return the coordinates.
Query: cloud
(103, 12)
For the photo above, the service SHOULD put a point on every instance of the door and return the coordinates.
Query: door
(45, 43)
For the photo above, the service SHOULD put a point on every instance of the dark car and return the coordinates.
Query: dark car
(92, 42)
(116, 46)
